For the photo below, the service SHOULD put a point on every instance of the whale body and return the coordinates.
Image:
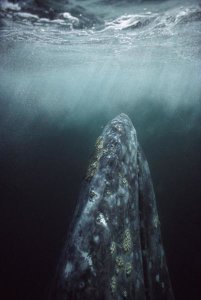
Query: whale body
(114, 248)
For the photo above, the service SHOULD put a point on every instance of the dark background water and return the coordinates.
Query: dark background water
(58, 89)
(40, 182)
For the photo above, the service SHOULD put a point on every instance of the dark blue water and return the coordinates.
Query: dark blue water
(65, 70)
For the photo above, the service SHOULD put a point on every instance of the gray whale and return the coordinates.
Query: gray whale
(114, 248)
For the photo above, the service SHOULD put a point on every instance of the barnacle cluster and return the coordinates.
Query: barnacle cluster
(127, 242)
(124, 293)
(123, 179)
(117, 270)
(99, 143)
(112, 247)
(98, 219)
(92, 193)
(95, 162)
(119, 261)
(99, 148)
(155, 221)
(108, 193)
(118, 128)
(121, 265)
(128, 268)
(92, 169)
(113, 284)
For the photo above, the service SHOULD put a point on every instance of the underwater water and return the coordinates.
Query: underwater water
(66, 69)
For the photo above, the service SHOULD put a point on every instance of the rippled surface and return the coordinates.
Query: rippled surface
(136, 21)
(131, 50)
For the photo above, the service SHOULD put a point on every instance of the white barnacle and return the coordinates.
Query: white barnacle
(87, 258)
(146, 166)
(150, 265)
(108, 192)
(118, 202)
(101, 220)
(119, 128)
(157, 278)
(68, 269)
(155, 221)
(96, 239)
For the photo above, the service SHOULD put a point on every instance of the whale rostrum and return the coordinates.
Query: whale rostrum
(114, 248)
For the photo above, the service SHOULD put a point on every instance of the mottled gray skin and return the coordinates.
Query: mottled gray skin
(114, 248)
